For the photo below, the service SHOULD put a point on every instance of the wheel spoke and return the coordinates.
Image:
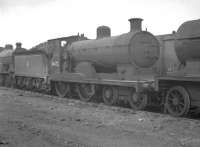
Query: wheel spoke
(170, 96)
(173, 95)
(181, 104)
(170, 100)
(180, 108)
(177, 109)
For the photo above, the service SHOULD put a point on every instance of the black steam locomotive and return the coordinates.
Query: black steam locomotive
(119, 68)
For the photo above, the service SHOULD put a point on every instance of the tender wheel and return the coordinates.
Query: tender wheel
(27, 83)
(138, 101)
(85, 91)
(38, 84)
(23, 83)
(62, 89)
(177, 101)
(34, 84)
(110, 95)
(19, 82)
(31, 84)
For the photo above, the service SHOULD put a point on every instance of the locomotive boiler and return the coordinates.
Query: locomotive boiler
(119, 67)
(134, 50)
(188, 41)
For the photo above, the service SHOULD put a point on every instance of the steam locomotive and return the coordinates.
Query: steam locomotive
(118, 68)
(128, 68)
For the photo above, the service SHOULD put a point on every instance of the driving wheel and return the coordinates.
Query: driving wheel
(62, 89)
(110, 95)
(85, 91)
(177, 101)
(138, 101)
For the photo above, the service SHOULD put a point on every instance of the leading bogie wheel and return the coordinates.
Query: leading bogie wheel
(85, 91)
(177, 101)
(138, 101)
(62, 89)
(110, 95)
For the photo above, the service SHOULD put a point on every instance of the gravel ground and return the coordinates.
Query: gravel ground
(35, 120)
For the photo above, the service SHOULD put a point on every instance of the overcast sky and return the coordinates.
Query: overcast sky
(35, 21)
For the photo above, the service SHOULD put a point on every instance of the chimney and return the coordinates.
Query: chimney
(103, 31)
(135, 24)
(8, 46)
(18, 45)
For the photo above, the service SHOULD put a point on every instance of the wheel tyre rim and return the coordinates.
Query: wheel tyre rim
(179, 94)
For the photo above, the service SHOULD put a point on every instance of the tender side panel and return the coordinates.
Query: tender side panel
(30, 65)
